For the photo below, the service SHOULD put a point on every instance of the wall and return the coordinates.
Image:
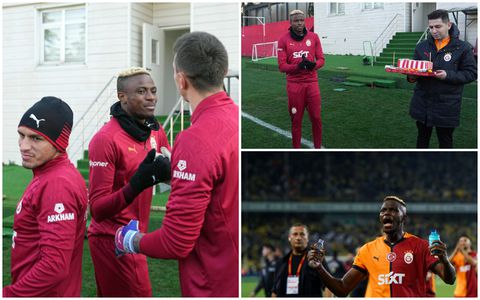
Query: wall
(254, 34)
(222, 20)
(345, 34)
(25, 81)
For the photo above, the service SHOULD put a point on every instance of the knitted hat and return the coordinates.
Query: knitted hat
(51, 118)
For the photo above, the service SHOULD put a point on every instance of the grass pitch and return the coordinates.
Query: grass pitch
(163, 273)
(359, 117)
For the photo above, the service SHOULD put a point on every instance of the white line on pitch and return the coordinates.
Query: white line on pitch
(285, 133)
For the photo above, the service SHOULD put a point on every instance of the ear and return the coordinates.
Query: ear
(449, 25)
(181, 80)
(122, 97)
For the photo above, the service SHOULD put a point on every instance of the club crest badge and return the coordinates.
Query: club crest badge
(408, 257)
(447, 57)
(308, 43)
(391, 256)
(153, 142)
(182, 164)
(59, 208)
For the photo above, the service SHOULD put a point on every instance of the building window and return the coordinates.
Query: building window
(372, 5)
(62, 36)
(337, 8)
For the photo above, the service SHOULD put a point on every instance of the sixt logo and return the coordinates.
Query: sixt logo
(98, 164)
(300, 53)
(390, 278)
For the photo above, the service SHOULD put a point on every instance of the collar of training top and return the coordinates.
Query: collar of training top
(296, 36)
(140, 132)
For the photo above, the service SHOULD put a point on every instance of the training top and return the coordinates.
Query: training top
(200, 227)
(290, 53)
(114, 157)
(466, 285)
(395, 270)
(48, 233)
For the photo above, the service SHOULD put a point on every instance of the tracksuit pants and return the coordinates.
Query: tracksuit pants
(444, 135)
(300, 96)
(125, 276)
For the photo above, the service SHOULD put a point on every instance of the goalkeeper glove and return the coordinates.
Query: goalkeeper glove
(309, 65)
(124, 238)
(151, 171)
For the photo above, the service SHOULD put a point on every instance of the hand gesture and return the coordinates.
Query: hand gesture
(315, 256)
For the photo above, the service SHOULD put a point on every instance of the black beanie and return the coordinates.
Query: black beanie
(51, 118)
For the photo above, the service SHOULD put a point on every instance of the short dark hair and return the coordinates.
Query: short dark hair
(203, 58)
(269, 246)
(439, 14)
(298, 225)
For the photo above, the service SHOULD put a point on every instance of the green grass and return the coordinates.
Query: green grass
(249, 283)
(163, 273)
(360, 117)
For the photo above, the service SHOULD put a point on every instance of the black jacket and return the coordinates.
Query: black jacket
(267, 276)
(437, 102)
(310, 284)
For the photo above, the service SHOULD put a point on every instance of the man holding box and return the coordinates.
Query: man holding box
(436, 101)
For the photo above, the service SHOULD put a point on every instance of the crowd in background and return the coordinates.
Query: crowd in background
(342, 233)
(359, 176)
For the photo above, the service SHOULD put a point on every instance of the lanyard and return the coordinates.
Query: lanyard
(299, 265)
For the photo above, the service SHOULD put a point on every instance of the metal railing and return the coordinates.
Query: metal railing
(97, 113)
(172, 118)
(424, 35)
(386, 35)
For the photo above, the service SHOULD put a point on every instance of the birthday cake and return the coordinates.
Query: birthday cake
(412, 67)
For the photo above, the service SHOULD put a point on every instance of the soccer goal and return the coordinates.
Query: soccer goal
(264, 50)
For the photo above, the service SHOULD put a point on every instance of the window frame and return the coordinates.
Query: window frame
(337, 5)
(62, 26)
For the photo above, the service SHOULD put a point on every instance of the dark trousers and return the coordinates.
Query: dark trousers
(444, 135)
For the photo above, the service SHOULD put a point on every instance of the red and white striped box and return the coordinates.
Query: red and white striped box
(415, 64)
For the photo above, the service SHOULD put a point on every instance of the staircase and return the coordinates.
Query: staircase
(83, 164)
(402, 45)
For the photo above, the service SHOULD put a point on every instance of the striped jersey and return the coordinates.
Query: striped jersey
(395, 269)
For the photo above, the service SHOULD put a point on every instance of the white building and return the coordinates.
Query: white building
(73, 51)
(344, 27)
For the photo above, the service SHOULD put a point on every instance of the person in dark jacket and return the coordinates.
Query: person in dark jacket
(267, 274)
(293, 277)
(436, 101)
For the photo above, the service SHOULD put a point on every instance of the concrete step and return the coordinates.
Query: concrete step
(371, 81)
(349, 83)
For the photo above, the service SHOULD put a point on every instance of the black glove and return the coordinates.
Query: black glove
(151, 171)
(303, 64)
(309, 65)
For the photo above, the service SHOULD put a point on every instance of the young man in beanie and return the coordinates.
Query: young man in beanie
(437, 100)
(300, 55)
(123, 169)
(49, 222)
(200, 228)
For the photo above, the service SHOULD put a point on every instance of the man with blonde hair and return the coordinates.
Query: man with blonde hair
(123, 168)
(300, 55)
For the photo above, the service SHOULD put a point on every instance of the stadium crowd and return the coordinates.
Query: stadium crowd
(342, 233)
(359, 176)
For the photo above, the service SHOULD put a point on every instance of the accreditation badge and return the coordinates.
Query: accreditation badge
(292, 285)
(447, 57)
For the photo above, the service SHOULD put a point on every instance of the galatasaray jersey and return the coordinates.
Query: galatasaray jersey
(466, 285)
(290, 53)
(395, 270)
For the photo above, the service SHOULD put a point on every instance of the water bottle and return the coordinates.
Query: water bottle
(434, 236)
(316, 264)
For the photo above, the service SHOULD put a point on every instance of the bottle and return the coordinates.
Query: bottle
(318, 246)
(434, 236)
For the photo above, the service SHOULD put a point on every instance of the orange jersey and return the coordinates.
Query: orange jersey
(466, 276)
(395, 270)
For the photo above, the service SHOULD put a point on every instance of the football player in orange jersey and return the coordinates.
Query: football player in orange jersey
(396, 263)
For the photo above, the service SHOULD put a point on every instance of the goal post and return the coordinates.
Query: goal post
(264, 50)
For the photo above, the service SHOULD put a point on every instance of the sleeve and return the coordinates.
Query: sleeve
(359, 261)
(192, 183)
(260, 285)
(104, 202)
(320, 58)
(283, 65)
(57, 240)
(467, 69)
(276, 288)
